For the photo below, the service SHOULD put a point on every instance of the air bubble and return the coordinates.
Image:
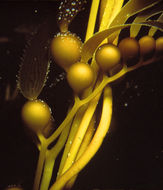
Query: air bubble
(8, 52)
(73, 3)
(157, 156)
(35, 59)
(126, 104)
(138, 94)
(67, 10)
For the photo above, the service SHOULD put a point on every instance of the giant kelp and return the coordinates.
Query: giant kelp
(79, 132)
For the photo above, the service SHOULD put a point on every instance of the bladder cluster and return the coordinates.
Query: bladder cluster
(66, 51)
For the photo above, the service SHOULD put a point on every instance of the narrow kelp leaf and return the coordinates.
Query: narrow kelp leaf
(143, 16)
(90, 46)
(35, 64)
(109, 9)
(68, 9)
(153, 30)
(131, 8)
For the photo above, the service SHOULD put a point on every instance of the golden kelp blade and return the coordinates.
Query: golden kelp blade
(35, 65)
(108, 11)
(68, 9)
(153, 30)
(131, 8)
(143, 16)
(90, 46)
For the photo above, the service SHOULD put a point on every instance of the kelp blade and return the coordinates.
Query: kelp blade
(152, 29)
(143, 16)
(131, 8)
(108, 10)
(35, 65)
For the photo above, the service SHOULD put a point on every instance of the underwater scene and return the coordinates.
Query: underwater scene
(81, 95)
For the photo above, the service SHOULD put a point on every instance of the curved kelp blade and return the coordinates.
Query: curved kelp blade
(108, 11)
(90, 46)
(143, 16)
(131, 8)
(152, 29)
(35, 65)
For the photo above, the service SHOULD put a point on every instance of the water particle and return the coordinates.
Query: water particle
(68, 154)
(128, 15)
(125, 104)
(36, 11)
(152, 90)
(156, 156)
(73, 3)
(8, 52)
(35, 59)
(67, 10)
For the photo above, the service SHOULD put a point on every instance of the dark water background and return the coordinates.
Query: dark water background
(131, 156)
